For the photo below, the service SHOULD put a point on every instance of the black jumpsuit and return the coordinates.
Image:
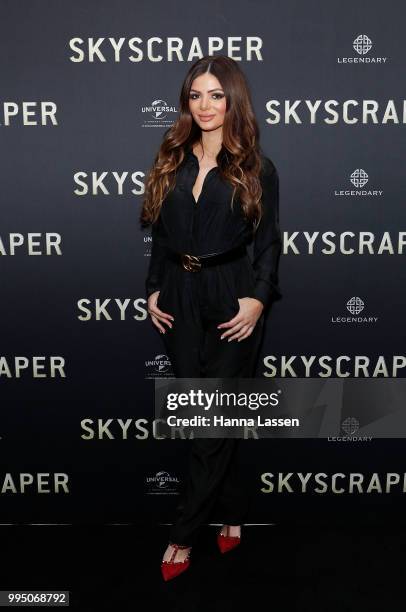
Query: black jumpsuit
(199, 301)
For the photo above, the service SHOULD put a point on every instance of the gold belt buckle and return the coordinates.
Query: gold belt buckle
(191, 263)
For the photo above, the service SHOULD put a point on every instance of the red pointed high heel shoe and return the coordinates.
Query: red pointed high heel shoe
(170, 569)
(226, 542)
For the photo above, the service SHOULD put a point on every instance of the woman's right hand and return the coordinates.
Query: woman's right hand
(158, 315)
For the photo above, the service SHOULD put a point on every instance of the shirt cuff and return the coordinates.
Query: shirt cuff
(151, 289)
(266, 292)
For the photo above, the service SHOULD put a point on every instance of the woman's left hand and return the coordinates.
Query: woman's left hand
(242, 325)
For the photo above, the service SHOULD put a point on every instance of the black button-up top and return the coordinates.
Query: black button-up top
(211, 226)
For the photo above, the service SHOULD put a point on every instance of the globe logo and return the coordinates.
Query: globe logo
(162, 479)
(350, 425)
(362, 44)
(163, 363)
(359, 177)
(160, 109)
(355, 305)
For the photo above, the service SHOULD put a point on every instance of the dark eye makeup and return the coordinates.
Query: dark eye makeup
(220, 95)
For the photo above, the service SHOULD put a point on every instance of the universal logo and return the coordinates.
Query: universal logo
(162, 484)
(159, 114)
(362, 45)
(350, 426)
(355, 306)
(160, 367)
(359, 178)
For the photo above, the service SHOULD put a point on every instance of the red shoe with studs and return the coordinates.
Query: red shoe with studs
(170, 569)
(225, 541)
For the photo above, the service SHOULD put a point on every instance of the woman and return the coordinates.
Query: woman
(209, 192)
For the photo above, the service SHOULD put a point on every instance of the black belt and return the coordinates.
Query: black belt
(194, 263)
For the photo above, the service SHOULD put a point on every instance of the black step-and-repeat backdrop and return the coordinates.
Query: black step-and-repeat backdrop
(87, 91)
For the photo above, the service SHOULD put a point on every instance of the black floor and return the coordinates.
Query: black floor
(117, 568)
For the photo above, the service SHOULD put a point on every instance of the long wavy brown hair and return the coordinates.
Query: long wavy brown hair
(239, 159)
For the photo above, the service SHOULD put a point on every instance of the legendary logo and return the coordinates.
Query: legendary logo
(362, 46)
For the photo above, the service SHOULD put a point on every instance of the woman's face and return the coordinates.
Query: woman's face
(207, 102)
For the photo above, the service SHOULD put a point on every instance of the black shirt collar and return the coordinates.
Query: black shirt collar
(191, 157)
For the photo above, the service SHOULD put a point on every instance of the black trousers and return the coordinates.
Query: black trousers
(196, 351)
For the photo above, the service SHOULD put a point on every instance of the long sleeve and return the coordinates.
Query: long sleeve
(157, 259)
(267, 238)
